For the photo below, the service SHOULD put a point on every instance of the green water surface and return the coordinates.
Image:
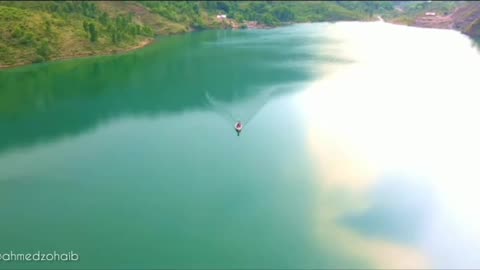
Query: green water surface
(123, 160)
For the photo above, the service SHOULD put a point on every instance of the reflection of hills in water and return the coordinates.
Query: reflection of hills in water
(46, 101)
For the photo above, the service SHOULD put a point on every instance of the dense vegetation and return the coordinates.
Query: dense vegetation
(38, 31)
(271, 13)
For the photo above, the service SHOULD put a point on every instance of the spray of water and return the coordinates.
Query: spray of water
(243, 111)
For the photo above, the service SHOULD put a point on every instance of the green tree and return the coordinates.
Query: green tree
(283, 14)
(103, 18)
(239, 17)
(113, 36)
(147, 31)
(44, 50)
(223, 5)
(196, 8)
(259, 7)
(93, 32)
(269, 19)
(132, 29)
(27, 39)
(18, 32)
(48, 27)
(210, 5)
(85, 26)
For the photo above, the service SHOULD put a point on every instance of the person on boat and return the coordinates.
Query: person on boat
(238, 127)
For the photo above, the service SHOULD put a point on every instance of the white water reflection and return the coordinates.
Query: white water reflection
(408, 107)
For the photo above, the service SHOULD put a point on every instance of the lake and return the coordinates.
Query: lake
(360, 150)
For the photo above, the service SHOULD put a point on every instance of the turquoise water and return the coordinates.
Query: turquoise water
(132, 160)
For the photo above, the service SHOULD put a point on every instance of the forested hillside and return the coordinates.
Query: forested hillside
(37, 31)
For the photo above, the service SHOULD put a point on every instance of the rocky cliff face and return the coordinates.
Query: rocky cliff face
(434, 21)
(465, 19)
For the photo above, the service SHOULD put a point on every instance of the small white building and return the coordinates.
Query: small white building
(430, 13)
(221, 16)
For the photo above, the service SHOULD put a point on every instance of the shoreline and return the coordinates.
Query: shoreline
(149, 41)
(142, 44)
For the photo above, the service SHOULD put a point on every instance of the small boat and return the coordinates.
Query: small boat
(238, 127)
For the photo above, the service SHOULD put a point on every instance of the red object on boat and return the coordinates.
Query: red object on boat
(238, 127)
